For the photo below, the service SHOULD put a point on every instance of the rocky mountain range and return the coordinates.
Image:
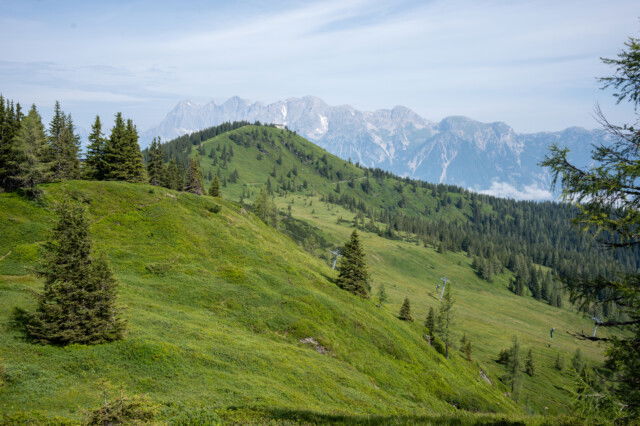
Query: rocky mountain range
(484, 157)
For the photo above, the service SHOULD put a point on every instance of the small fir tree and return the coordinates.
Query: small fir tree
(405, 310)
(193, 183)
(382, 295)
(430, 321)
(445, 318)
(78, 301)
(30, 154)
(63, 146)
(95, 163)
(155, 167)
(577, 362)
(529, 366)
(214, 189)
(353, 275)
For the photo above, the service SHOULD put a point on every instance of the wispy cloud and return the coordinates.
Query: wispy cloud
(506, 190)
(531, 63)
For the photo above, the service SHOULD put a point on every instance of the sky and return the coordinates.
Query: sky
(532, 64)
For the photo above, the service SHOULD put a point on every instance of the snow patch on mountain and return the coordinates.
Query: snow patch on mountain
(488, 157)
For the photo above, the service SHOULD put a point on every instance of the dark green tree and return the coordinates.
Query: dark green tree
(174, 176)
(95, 164)
(382, 295)
(155, 166)
(265, 208)
(122, 153)
(529, 366)
(430, 321)
(10, 117)
(63, 146)
(405, 310)
(608, 195)
(193, 183)
(30, 154)
(214, 189)
(78, 301)
(353, 275)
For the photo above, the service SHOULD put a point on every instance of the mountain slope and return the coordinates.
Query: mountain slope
(304, 178)
(485, 157)
(217, 305)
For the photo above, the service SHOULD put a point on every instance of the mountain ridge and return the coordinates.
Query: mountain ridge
(490, 158)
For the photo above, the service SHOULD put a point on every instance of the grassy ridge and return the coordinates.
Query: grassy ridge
(487, 312)
(217, 305)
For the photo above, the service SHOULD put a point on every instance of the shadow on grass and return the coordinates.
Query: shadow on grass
(284, 416)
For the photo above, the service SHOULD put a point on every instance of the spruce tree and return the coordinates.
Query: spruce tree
(78, 301)
(122, 153)
(382, 295)
(352, 272)
(444, 319)
(10, 117)
(95, 162)
(529, 366)
(63, 146)
(193, 183)
(30, 154)
(430, 321)
(155, 167)
(214, 189)
(174, 177)
(405, 310)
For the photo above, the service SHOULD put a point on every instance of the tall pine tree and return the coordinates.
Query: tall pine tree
(10, 117)
(352, 273)
(30, 154)
(193, 183)
(95, 162)
(122, 153)
(78, 301)
(214, 189)
(155, 166)
(405, 310)
(63, 146)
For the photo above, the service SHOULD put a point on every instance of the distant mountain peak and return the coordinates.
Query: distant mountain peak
(485, 157)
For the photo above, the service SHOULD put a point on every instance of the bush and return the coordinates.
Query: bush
(214, 208)
(124, 410)
(503, 357)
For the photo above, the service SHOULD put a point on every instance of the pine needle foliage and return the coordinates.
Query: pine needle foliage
(214, 189)
(405, 310)
(353, 275)
(78, 304)
(193, 183)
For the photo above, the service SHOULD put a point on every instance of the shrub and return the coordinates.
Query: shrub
(124, 410)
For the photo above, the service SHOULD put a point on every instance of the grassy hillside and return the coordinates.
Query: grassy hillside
(217, 306)
(486, 311)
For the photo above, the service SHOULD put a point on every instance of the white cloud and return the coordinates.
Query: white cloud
(506, 190)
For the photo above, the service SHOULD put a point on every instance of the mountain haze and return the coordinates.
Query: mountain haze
(485, 157)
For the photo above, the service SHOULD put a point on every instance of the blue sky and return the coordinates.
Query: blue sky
(531, 63)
